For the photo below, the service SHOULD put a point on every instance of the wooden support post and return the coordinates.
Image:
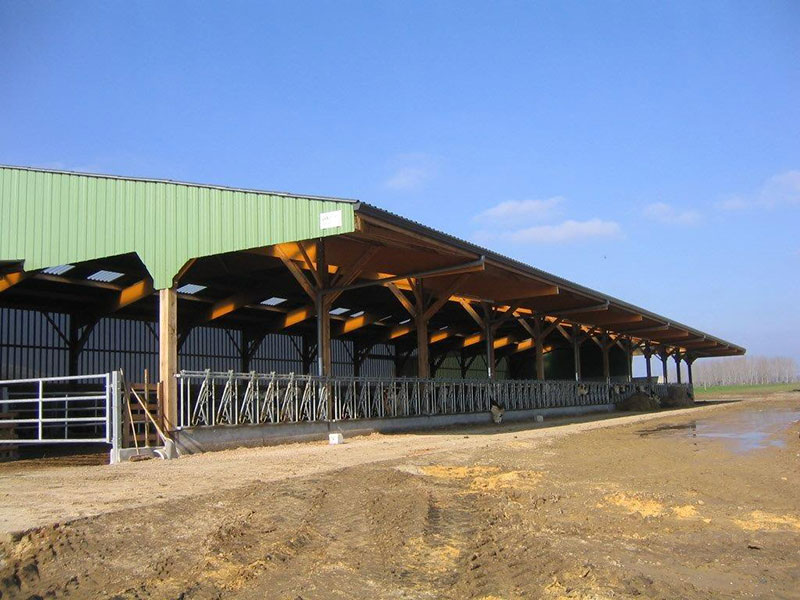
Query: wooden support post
(664, 356)
(648, 354)
(423, 364)
(576, 351)
(677, 357)
(629, 359)
(421, 311)
(488, 320)
(605, 347)
(168, 355)
(323, 337)
(76, 337)
(421, 317)
(539, 348)
(323, 314)
(689, 361)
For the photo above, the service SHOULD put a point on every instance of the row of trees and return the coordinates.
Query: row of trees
(745, 370)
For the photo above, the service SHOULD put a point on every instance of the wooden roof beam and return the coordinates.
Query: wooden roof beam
(472, 312)
(580, 309)
(9, 280)
(297, 273)
(652, 329)
(614, 321)
(126, 296)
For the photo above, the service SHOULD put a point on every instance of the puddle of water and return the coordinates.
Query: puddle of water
(744, 430)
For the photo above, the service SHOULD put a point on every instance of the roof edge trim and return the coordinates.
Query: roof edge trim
(184, 183)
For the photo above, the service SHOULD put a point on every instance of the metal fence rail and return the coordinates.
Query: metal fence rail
(210, 398)
(58, 409)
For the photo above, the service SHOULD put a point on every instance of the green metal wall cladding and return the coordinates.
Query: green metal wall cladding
(51, 218)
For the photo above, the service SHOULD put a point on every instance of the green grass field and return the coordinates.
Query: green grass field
(743, 390)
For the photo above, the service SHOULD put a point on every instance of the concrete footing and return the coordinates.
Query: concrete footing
(167, 451)
(204, 439)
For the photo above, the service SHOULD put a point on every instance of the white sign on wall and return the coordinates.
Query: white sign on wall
(329, 220)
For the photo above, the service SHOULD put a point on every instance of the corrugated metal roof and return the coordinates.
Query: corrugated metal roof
(538, 274)
(52, 218)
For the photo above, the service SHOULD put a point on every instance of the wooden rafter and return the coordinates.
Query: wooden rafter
(11, 279)
(310, 266)
(472, 312)
(298, 274)
(132, 293)
(401, 297)
(345, 277)
(508, 314)
(444, 297)
(526, 326)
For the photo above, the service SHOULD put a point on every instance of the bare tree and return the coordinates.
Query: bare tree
(745, 370)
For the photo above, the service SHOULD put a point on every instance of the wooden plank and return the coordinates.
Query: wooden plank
(538, 347)
(323, 320)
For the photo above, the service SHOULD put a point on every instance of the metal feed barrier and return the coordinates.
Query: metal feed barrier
(89, 408)
(226, 398)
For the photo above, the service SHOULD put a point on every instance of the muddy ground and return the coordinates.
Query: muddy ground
(682, 504)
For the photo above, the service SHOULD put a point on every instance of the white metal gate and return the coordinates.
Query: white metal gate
(60, 410)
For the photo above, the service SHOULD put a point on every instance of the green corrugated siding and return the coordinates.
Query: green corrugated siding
(51, 218)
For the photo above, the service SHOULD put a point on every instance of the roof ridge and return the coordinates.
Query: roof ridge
(182, 183)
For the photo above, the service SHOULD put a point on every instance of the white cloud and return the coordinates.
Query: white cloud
(782, 189)
(411, 172)
(512, 210)
(567, 231)
(510, 221)
(407, 178)
(666, 213)
(733, 203)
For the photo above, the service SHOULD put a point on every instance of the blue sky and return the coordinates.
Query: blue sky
(649, 150)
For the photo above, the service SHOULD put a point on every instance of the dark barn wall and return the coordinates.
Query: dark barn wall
(618, 363)
(559, 364)
(591, 361)
(33, 344)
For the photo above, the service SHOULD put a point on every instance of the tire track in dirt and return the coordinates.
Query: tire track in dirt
(567, 520)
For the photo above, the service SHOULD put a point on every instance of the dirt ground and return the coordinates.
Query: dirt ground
(664, 505)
